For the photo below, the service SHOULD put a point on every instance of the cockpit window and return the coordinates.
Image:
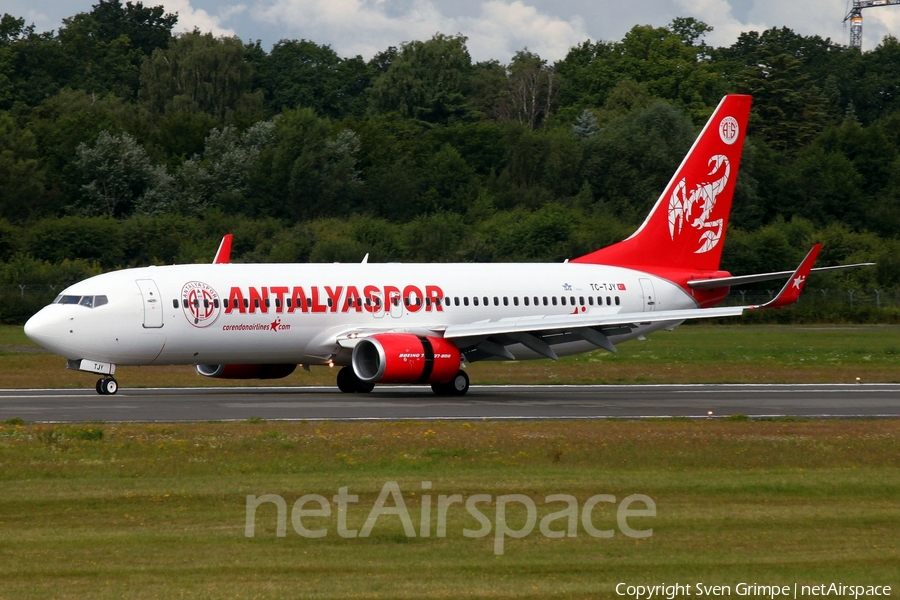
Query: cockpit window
(88, 301)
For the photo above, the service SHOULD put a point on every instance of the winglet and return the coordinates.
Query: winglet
(223, 254)
(791, 290)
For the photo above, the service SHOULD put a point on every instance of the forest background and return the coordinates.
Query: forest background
(124, 145)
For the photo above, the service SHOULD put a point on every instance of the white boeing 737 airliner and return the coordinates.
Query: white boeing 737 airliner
(420, 323)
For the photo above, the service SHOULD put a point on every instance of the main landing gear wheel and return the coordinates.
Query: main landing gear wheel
(107, 386)
(349, 383)
(458, 386)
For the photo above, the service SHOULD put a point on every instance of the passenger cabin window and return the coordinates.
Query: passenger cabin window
(562, 300)
(496, 301)
(515, 300)
(525, 299)
(617, 300)
(591, 300)
(608, 301)
(174, 303)
(465, 300)
(475, 300)
(554, 300)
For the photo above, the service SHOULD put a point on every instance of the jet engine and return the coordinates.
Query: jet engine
(405, 358)
(245, 371)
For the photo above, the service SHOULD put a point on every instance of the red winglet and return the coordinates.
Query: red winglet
(791, 290)
(223, 254)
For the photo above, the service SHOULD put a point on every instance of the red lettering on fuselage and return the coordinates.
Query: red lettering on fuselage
(435, 295)
(314, 302)
(334, 297)
(329, 299)
(390, 295)
(373, 301)
(235, 301)
(258, 300)
(352, 302)
(413, 298)
(298, 300)
(279, 292)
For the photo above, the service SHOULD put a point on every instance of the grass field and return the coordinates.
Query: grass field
(690, 354)
(158, 511)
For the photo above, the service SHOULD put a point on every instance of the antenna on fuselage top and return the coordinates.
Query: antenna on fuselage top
(365, 258)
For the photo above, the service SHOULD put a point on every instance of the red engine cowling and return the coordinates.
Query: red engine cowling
(245, 371)
(405, 358)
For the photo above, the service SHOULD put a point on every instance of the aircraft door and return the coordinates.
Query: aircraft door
(396, 304)
(153, 306)
(378, 307)
(649, 295)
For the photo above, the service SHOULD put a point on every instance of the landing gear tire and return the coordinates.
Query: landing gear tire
(458, 386)
(107, 386)
(349, 383)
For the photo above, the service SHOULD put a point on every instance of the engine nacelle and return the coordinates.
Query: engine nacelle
(405, 358)
(245, 371)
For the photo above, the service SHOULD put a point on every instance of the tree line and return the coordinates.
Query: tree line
(124, 144)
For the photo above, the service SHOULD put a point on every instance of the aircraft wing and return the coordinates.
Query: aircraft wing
(539, 333)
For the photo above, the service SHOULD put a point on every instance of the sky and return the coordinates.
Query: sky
(495, 29)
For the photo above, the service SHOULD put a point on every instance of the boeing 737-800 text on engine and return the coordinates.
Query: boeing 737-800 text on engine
(420, 323)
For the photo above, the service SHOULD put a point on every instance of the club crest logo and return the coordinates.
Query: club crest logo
(200, 303)
(729, 130)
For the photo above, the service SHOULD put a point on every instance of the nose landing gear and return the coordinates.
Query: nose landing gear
(107, 386)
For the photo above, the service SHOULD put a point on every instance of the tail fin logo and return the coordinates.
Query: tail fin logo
(729, 130)
(703, 198)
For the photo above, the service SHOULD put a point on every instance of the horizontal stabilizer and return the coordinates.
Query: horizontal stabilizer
(709, 284)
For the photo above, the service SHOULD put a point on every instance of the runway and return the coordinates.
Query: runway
(482, 402)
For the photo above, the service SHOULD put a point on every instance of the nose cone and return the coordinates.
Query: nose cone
(43, 329)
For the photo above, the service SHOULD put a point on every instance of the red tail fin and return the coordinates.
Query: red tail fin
(686, 227)
(223, 254)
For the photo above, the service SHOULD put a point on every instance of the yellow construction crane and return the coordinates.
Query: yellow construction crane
(854, 15)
